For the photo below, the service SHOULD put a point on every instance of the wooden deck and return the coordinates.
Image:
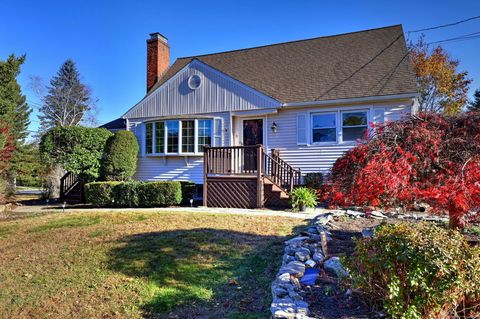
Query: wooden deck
(246, 177)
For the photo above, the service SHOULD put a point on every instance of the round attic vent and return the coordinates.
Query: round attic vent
(194, 81)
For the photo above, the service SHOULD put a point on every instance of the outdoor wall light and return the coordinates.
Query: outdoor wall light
(274, 127)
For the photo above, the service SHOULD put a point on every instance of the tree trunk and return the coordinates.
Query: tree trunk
(52, 188)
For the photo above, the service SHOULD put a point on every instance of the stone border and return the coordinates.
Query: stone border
(304, 252)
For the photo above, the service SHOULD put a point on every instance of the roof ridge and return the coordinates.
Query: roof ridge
(288, 42)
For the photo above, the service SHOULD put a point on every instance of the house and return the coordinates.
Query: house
(248, 124)
(116, 125)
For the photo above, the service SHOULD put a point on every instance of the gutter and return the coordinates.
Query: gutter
(353, 100)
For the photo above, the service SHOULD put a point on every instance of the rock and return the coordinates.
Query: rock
(323, 219)
(354, 213)
(335, 266)
(294, 268)
(296, 241)
(301, 307)
(422, 207)
(287, 259)
(318, 257)
(281, 314)
(310, 263)
(310, 277)
(283, 278)
(377, 214)
(368, 232)
(311, 230)
(279, 292)
(302, 254)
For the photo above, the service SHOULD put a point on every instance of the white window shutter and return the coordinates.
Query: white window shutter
(378, 116)
(302, 128)
(217, 132)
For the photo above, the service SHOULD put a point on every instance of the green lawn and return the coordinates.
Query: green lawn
(140, 265)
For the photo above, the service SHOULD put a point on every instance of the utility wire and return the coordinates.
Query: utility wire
(444, 25)
(469, 36)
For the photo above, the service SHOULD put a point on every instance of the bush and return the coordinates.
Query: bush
(314, 180)
(120, 160)
(100, 193)
(428, 158)
(133, 194)
(303, 197)
(418, 271)
(77, 149)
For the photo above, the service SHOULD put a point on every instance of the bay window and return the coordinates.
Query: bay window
(149, 138)
(159, 137)
(188, 136)
(354, 125)
(172, 136)
(180, 136)
(324, 127)
(204, 134)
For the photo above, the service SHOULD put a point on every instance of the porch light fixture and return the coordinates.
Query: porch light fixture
(274, 127)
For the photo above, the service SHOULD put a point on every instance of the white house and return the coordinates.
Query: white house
(310, 100)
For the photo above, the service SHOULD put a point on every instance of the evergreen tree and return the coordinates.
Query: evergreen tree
(68, 99)
(475, 104)
(14, 111)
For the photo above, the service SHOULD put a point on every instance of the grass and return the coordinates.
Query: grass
(140, 265)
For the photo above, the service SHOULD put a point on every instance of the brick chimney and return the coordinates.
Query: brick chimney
(158, 58)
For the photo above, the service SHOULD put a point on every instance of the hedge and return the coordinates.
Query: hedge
(133, 194)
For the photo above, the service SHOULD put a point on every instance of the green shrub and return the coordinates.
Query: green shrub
(75, 148)
(133, 194)
(418, 271)
(100, 193)
(314, 180)
(120, 160)
(188, 191)
(125, 195)
(303, 196)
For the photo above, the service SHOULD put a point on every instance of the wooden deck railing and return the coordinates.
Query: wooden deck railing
(246, 161)
(68, 183)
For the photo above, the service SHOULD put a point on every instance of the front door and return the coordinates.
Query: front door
(252, 135)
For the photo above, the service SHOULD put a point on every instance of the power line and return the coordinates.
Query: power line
(362, 66)
(464, 37)
(445, 25)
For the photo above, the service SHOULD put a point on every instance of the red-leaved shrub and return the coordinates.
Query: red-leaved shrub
(428, 158)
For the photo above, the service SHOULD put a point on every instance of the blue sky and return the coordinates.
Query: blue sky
(107, 38)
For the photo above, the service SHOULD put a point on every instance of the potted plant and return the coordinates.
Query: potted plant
(303, 197)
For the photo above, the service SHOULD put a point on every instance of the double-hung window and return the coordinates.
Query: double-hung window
(204, 134)
(324, 127)
(354, 125)
(180, 136)
(188, 136)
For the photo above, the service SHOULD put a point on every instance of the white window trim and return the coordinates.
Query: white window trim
(367, 111)
(312, 114)
(165, 137)
(339, 122)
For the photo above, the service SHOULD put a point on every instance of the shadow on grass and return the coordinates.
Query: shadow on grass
(201, 273)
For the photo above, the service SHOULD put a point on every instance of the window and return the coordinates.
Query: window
(354, 125)
(164, 137)
(172, 136)
(159, 137)
(188, 136)
(324, 127)
(149, 138)
(204, 134)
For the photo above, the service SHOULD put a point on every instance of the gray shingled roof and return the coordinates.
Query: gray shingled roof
(359, 64)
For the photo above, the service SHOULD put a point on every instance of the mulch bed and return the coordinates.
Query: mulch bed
(328, 299)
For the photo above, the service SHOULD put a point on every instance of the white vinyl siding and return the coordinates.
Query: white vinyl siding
(218, 93)
(319, 157)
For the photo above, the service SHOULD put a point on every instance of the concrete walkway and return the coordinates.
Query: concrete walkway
(311, 213)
